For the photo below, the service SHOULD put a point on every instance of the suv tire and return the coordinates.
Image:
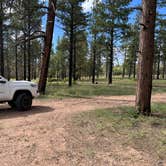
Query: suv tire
(23, 102)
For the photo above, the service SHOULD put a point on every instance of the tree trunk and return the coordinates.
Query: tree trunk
(111, 57)
(158, 66)
(71, 48)
(35, 67)
(146, 57)
(164, 68)
(134, 64)
(16, 57)
(1, 40)
(130, 69)
(25, 63)
(124, 65)
(7, 58)
(106, 67)
(98, 66)
(47, 46)
(29, 60)
(154, 69)
(29, 43)
(74, 60)
(94, 60)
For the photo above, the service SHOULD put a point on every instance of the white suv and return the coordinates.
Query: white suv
(18, 94)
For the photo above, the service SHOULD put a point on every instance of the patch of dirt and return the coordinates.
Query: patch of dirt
(40, 136)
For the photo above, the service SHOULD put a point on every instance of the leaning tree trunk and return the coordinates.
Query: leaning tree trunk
(1, 40)
(146, 56)
(47, 46)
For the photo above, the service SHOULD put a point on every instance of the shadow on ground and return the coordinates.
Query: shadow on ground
(8, 113)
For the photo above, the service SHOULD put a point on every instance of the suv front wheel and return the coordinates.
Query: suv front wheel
(23, 102)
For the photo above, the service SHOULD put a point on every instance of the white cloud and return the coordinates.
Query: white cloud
(88, 5)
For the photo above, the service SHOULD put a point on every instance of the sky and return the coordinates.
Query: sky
(87, 7)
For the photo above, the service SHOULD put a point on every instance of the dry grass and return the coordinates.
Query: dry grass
(83, 89)
(118, 136)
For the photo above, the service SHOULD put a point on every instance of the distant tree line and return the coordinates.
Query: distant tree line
(91, 45)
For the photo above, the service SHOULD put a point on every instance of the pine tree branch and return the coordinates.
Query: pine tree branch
(136, 8)
(33, 36)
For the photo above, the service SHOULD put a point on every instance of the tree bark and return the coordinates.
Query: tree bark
(94, 61)
(35, 67)
(111, 57)
(124, 65)
(158, 66)
(29, 60)
(16, 57)
(74, 60)
(130, 69)
(164, 68)
(25, 63)
(7, 58)
(29, 43)
(134, 64)
(154, 69)
(146, 57)
(1, 40)
(107, 67)
(47, 46)
(71, 47)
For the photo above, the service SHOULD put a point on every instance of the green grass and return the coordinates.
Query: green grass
(86, 89)
(124, 127)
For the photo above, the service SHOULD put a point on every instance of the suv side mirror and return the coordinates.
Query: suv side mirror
(2, 80)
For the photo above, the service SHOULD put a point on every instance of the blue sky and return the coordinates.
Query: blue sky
(58, 32)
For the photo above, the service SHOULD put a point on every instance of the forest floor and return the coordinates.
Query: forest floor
(68, 132)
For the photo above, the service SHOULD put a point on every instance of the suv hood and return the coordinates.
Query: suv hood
(20, 83)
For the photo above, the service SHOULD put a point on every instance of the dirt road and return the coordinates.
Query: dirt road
(39, 137)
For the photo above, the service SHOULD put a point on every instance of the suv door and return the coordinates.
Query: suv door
(3, 89)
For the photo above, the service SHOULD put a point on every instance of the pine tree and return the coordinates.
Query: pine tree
(160, 38)
(1, 36)
(146, 56)
(59, 60)
(112, 16)
(73, 19)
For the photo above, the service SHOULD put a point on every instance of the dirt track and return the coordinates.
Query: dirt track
(39, 137)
